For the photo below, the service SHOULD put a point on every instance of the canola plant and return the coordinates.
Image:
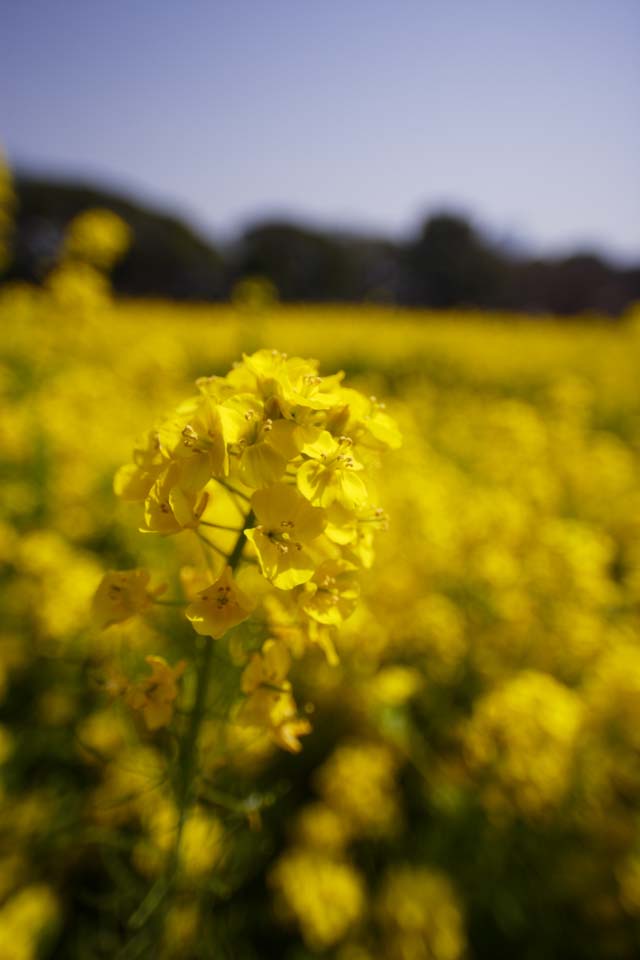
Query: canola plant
(332, 664)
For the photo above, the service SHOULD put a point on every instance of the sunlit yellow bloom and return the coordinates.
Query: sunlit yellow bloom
(287, 525)
(330, 597)
(355, 531)
(261, 445)
(367, 421)
(121, 594)
(155, 696)
(194, 438)
(168, 509)
(331, 473)
(218, 608)
(134, 480)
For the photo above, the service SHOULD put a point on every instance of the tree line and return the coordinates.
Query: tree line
(448, 263)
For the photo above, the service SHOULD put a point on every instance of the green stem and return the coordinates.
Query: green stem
(189, 747)
(188, 752)
(236, 553)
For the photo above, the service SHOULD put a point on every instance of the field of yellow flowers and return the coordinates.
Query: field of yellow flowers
(419, 733)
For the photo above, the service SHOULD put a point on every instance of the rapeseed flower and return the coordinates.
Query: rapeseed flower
(287, 526)
(121, 595)
(218, 608)
(155, 696)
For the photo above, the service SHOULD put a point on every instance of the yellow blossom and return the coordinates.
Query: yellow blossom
(168, 508)
(324, 896)
(97, 236)
(269, 702)
(154, 697)
(287, 526)
(420, 915)
(330, 597)
(220, 607)
(121, 594)
(330, 474)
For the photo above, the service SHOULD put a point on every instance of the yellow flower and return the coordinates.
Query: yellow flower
(168, 509)
(324, 896)
(218, 608)
(319, 827)
(196, 441)
(368, 423)
(521, 742)
(420, 915)
(358, 782)
(25, 920)
(287, 523)
(97, 236)
(330, 473)
(269, 702)
(121, 594)
(263, 446)
(332, 594)
(154, 697)
(134, 480)
(270, 666)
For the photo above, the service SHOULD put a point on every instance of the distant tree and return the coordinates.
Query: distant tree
(166, 258)
(308, 265)
(448, 264)
(582, 283)
(302, 264)
(451, 265)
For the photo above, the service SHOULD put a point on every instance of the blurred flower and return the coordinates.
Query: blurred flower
(325, 897)
(121, 594)
(155, 696)
(420, 916)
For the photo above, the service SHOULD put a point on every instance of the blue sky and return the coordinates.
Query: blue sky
(364, 113)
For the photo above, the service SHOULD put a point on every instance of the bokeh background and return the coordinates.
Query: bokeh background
(437, 155)
(442, 201)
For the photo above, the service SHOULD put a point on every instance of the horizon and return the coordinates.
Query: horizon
(510, 246)
(293, 116)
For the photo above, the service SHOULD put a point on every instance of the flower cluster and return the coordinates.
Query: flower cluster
(93, 242)
(420, 915)
(523, 735)
(271, 468)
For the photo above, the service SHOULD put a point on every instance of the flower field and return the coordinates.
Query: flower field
(419, 734)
